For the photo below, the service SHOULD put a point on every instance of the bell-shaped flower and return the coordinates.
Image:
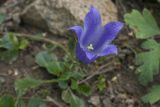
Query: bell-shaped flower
(94, 40)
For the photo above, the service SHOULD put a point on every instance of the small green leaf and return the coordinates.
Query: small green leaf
(101, 83)
(7, 101)
(24, 85)
(153, 96)
(36, 102)
(23, 44)
(63, 84)
(49, 61)
(84, 89)
(149, 61)
(72, 99)
(74, 84)
(144, 24)
(2, 17)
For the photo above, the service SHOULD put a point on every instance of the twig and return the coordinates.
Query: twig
(54, 101)
(98, 72)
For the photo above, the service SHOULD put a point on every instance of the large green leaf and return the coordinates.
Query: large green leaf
(149, 62)
(49, 61)
(24, 85)
(144, 24)
(153, 96)
(7, 101)
(72, 99)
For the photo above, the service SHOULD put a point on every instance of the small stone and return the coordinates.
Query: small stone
(16, 72)
(131, 67)
(95, 100)
(114, 79)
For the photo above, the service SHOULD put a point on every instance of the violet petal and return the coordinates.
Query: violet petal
(81, 55)
(78, 30)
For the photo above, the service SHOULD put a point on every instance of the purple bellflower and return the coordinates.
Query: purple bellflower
(94, 40)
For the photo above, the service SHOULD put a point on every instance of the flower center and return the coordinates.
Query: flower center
(90, 47)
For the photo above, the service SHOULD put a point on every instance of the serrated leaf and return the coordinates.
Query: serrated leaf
(49, 61)
(153, 96)
(24, 85)
(2, 17)
(7, 101)
(144, 24)
(149, 62)
(72, 99)
(36, 102)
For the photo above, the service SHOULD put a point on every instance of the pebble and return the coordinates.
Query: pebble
(95, 100)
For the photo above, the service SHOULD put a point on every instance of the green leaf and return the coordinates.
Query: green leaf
(7, 101)
(144, 24)
(63, 84)
(153, 96)
(72, 99)
(10, 46)
(74, 84)
(149, 61)
(36, 102)
(69, 74)
(101, 83)
(2, 17)
(84, 89)
(65, 76)
(23, 44)
(24, 85)
(9, 41)
(49, 61)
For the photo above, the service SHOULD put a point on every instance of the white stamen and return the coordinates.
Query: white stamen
(90, 47)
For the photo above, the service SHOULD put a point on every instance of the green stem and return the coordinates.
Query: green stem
(49, 81)
(39, 38)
